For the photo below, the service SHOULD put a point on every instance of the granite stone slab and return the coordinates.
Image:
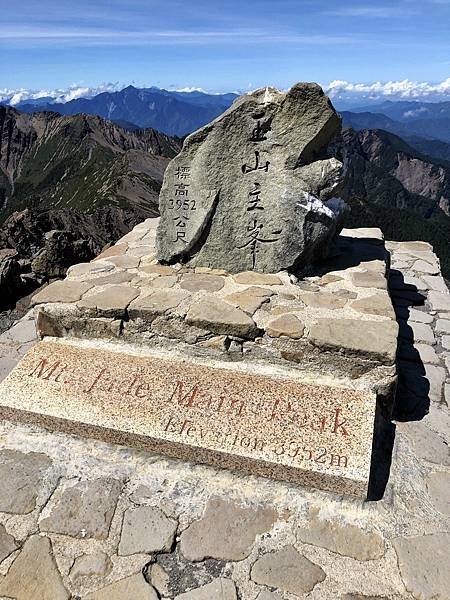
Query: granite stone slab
(273, 423)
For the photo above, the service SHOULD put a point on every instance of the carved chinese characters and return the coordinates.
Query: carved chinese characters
(249, 190)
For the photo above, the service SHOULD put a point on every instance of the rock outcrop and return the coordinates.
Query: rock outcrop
(256, 188)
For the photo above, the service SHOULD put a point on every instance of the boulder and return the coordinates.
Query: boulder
(256, 189)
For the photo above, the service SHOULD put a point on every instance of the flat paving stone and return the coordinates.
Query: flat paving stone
(219, 589)
(133, 587)
(436, 377)
(149, 306)
(111, 302)
(323, 300)
(287, 570)
(194, 282)
(378, 338)
(369, 279)
(377, 304)
(422, 266)
(165, 281)
(21, 478)
(83, 510)
(126, 261)
(287, 325)
(220, 317)
(255, 278)
(66, 290)
(420, 353)
(7, 543)
(421, 332)
(347, 540)
(250, 299)
(158, 269)
(420, 316)
(442, 326)
(97, 564)
(401, 281)
(438, 484)
(116, 250)
(34, 574)
(362, 597)
(423, 562)
(226, 531)
(436, 282)
(445, 341)
(146, 529)
(21, 332)
(439, 301)
(89, 269)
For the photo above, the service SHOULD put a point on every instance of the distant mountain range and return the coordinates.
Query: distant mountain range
(173, 113)
(425, 125)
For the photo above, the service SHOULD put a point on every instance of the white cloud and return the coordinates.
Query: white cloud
(405, 89)
(14, 97)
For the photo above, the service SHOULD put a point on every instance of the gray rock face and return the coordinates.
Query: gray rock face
(247, 191)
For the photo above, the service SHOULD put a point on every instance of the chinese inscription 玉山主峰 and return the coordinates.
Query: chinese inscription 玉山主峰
(256, 234)
(181, 203)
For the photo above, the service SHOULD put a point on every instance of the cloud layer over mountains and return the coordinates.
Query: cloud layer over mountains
(342, 92)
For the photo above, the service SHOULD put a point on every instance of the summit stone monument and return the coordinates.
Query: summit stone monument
(190, 337)
(257, 188)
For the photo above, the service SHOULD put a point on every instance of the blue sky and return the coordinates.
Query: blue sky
(221, 45)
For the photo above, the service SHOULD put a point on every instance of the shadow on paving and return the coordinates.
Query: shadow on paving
(412, 399)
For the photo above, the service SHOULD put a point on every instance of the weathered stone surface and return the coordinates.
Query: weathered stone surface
(7, 543)
(287, 570)
(418, 353)
(166, 281)
(178, 328)
(226, 531)
(436, 283)
(438, 485)
(419, 316)
(91, 565)
(369, 279)
(193, 282)
(116, 250)
(158, 269)
(255, 278)
(34, 575)
(423, 562)
(445, 341)
(422, 332)
(378, 304)
(133, 587)
(111, 302)
(220, 317)
(62, 291)
(84, 509)
(376, 338)
(219, 589)
(362, 597)
(89, 269)
(423, 266)
(172, 574)
(250, 299)
(287, 325)
(125, 261)
(20, 480)
(347, 540)
(146, 529)
(149, 306)
(399, 281)
(21, 332)
(323, 300)
(265, 595)
(329, 278)
(442, 326)
(247, 191)
(439, 301)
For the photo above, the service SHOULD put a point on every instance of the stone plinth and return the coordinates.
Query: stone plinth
(272, 423)
(334, 330)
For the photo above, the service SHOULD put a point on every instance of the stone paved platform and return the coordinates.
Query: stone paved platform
(85, 519)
